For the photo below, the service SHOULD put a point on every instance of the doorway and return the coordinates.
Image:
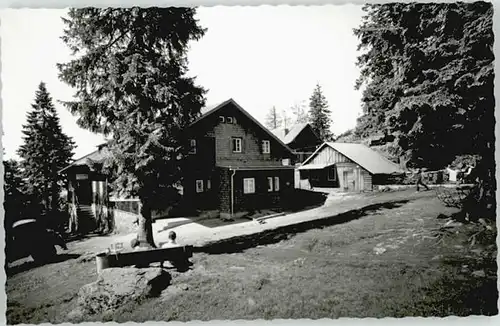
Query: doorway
(349, 181)
(83, 192)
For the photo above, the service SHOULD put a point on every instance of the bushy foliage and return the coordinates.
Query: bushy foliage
(319, 114)
(45, 151)
(428, 72)
(129, 73)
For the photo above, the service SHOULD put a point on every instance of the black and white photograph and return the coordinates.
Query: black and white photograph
(203, 163)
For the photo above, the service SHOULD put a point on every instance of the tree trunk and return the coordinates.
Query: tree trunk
(145, 232)
(55, 198)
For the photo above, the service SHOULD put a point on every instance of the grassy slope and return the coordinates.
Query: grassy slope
(330, 272)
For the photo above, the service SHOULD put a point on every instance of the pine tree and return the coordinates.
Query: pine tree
(46, 150)
(299, 113)
(129, 72)
(319, 114)
(273, 119)
(428, 72)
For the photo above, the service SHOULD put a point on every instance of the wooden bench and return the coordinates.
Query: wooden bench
(175, 255)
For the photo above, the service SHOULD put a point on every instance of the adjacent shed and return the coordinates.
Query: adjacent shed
(347, 166)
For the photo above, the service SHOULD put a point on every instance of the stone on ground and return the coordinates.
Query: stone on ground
(118, 286)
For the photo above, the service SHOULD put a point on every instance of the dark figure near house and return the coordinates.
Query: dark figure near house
(420, 181)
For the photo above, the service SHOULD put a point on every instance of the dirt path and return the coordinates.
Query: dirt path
(382, 261)
(199, 235)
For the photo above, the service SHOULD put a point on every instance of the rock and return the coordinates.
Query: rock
(183, 286)
(479, 273)
(117, 286)
(251, 302)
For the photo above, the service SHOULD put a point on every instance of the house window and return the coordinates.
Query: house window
(270, 184)
(331, 174)
(229, 119)
(248, 185)
(192, 144)
(221, 119)
(199, 186)
(209, 184)
(266, 146)
(237, 145)
(276, 183)
(82, 177)
(273, 184)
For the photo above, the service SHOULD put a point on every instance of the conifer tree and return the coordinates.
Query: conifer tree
(300, 113)
(428, 69)
(428, 72)
(273, 119)
(46, 150)
(319, 114)
(129, 71)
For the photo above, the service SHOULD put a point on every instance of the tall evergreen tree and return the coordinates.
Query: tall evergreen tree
(428, 72)
(273, 119)
(300, 113)
(131, 83)
(319, 114)
(46, 150)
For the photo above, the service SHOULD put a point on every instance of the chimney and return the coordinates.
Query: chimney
(286, 131)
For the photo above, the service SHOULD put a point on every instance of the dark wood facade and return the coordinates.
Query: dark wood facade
(232, 160)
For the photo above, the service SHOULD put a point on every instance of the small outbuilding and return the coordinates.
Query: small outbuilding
(347, 166)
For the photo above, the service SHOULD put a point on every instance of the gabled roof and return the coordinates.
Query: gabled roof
(289, 137)
(367, 158)
(97, 156)
(100, 154)
(209, 112)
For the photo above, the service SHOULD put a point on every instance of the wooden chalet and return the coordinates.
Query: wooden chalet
(234, 165)
(348, 167)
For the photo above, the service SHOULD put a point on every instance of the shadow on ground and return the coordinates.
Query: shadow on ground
(241, 243)
(10, 271)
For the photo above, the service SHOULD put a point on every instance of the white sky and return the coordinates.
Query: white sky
(259, 56)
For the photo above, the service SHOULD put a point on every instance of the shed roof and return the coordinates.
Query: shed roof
(315, 166)
(370, 160)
